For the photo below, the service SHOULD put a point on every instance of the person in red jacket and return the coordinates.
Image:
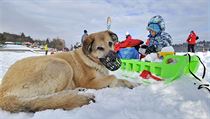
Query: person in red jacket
(191, 40)
(128, 42)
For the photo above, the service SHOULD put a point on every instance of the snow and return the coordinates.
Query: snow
(10, 46)
(18, 48)
(180, 100)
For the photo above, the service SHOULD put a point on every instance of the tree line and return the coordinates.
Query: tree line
(56, 43)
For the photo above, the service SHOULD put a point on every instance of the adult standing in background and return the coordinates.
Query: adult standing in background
(84, 36)
(46, 46)
(191, 40)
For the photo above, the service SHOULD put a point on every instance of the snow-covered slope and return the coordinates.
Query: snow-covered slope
(179, 100)
(8, 58)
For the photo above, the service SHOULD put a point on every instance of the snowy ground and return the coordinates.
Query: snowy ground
(179, 100)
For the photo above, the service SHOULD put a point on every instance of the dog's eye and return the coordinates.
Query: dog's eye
(110, 44)
(100, 48)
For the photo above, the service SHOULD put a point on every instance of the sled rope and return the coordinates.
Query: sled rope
(204, 86)
(204, 73)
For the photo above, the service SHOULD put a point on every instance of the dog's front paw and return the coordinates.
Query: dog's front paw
(88, 97)
(124, 83)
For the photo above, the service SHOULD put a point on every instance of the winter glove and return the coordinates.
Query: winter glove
(144, 46)
(150, 49)
(142, 49)
(197, 37)
(141, 42)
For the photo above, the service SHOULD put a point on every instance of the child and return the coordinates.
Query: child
(128, 48)
(158, 39)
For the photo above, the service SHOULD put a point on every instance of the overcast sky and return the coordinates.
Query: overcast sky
(67, 19)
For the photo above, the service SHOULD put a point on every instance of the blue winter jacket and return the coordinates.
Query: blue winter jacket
(162, 39)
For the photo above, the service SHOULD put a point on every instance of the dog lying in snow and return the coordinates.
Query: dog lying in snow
(50, 82)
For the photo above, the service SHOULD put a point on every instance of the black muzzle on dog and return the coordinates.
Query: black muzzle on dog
(111, 61)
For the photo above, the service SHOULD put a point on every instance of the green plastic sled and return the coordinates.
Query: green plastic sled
(167, 71)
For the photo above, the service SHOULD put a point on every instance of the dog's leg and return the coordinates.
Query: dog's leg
(123, 83)
(68, 99)
(110, 81)
(100, 83)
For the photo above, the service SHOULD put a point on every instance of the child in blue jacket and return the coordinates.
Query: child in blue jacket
(158, 39)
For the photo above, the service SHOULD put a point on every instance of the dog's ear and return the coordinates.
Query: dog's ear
(113, 36)
(87, 45)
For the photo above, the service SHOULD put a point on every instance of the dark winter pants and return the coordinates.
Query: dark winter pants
(46, 51)
(191, 47)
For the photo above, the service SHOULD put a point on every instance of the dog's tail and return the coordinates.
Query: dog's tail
(65, 100)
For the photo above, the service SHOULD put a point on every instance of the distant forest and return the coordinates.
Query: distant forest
(57, 43)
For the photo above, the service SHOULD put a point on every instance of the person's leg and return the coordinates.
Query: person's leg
(46, 52)
(193, 48)
(188, 47)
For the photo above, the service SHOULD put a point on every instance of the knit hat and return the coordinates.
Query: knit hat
(154, 27)
(158, 20)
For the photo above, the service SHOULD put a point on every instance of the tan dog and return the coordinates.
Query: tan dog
(51, 82)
